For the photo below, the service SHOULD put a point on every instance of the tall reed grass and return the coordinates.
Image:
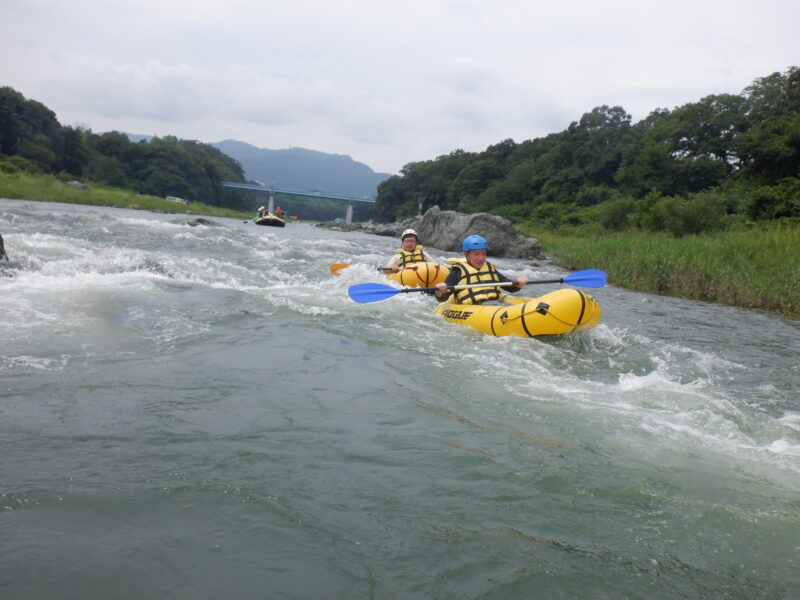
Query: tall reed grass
(757, 267)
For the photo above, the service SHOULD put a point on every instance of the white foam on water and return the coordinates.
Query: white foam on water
(36, 363)
(667, 395)
(785, 447)
(185, 236)
(791, 420)
(613, 337)
(21, 312)
(53, 282)
(294, 305)
(40, 251)
(158, 223)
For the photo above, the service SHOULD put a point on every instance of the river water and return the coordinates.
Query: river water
(202, 412)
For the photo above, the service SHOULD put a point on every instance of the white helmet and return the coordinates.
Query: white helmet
(409, 232)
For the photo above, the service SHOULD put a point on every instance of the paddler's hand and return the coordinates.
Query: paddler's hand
(441, 289)
(393, 269)
(522, 282)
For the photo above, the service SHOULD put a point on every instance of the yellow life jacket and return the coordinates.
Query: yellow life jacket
(409, 258)
(469, 275)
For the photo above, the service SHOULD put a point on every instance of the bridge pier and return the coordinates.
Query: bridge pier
(348, 215)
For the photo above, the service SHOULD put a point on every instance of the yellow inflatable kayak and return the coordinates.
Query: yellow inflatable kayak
(423, 274)
(562, 311)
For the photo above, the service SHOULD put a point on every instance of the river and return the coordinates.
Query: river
(202, 412)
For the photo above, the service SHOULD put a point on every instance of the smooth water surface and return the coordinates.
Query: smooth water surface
(202, 412)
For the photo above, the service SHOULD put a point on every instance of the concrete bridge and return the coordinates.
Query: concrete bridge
(262, 189)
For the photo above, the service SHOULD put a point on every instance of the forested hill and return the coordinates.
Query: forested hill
(304, 170)
(724, 159)
(32, 140)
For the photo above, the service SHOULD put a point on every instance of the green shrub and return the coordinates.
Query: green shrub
(18, 164)
(696, 214)
(773, 202)
(615, 215)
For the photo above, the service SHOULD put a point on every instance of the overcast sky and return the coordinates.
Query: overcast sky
(387, 83)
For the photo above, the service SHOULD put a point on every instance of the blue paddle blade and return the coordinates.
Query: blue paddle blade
(587, 278)
(371, 292)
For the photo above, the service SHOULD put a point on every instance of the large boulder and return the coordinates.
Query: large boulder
(446, 230)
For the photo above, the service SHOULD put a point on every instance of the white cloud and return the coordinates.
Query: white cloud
(386, 83)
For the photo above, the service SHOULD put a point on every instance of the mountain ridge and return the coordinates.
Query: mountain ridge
(304, 170)
(299, 169)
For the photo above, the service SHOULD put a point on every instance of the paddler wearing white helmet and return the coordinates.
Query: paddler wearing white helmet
(410, 253)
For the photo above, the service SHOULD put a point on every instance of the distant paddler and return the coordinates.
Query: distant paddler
(410, 253)
(412, 266)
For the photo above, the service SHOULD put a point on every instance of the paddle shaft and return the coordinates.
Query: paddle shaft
(493, 284)
(385, 269)
(475, 285)
(339, 266)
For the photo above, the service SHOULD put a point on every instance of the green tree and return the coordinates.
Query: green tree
(597, 142)
(11, 103)
(685, 151)
(774, 202)
(391, 195)
(706, 129)
(473, 180)
(106, 169)
(29, 129)
(770, 148)
(75, 153)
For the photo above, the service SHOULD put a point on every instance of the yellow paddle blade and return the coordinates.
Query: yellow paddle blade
(336, 267)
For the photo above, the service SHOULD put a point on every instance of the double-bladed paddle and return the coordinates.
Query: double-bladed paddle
(372, 292)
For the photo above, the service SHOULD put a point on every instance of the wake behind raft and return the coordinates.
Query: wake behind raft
(556, 313)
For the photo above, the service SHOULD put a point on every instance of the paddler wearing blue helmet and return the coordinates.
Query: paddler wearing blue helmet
(472, 269)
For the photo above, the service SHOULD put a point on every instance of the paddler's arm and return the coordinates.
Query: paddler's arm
(443, 290)
(391, 266)
(519, 283)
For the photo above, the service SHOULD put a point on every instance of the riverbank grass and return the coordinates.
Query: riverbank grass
(757, 267)
(47, 188)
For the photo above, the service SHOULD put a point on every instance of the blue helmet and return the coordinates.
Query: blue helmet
(474, 242)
